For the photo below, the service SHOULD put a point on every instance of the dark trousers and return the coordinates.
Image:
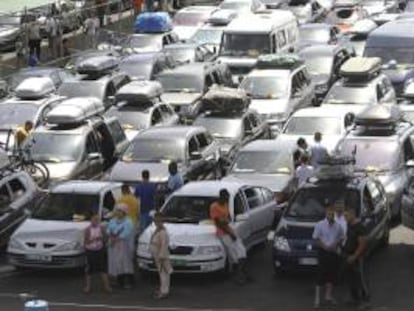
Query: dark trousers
(328, 267)
(357, 281)
(34, 47)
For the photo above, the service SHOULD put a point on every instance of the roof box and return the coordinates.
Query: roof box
(75, 110)
(35, 88)
(379, 116)
(222, 17)
(139, 92)
(97, 65)
(274, 61)
(153, 22)
(361, 67)
(225, 99)
(335, 167)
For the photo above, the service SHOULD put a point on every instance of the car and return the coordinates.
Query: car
(294, 249)
(323, 63)
(186, 215)
(317, 34)
(185, 85)
(380, 130)
(345, 13)
(146, 66)
(18, 195)
(52, 238)
(148, 42)
(138, 106)
(98, 78)
(190, 52)
(11, 28)
(375, 7)
(278, 86)
(307, 11)
(362, 82)
(188, 19)
(32, 100)
(77, 142)
(193, 148)
(230, 121)
(242, 6)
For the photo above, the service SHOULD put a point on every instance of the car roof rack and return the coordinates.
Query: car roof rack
(221, 99)
(35, 88)
(139, 92)
(98, 65)
(75, 111)
(336, 167)
(361, 68)
(275, 61)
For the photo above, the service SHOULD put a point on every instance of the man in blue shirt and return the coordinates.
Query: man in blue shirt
(146, 193)
(175, 180)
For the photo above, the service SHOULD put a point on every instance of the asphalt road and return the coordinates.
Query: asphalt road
(391, 281)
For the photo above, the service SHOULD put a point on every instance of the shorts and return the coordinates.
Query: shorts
(235, 250)
(96, 261)
(328, 268)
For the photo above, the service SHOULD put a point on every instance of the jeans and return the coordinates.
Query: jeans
(145, 220)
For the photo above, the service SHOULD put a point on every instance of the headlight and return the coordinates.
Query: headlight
(281, 244)
(71, 246)
(209, 250)
(15, 244)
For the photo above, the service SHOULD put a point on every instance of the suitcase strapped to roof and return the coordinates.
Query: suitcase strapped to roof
(274, 61)
(97, 65)
(139, 92)
(225, 99)
(153, 22)
(35, 88)
(336, 167)
(361, 68)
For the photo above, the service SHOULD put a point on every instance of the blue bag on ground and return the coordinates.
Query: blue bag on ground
(153, 22)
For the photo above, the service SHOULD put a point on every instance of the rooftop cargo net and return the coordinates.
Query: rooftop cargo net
(336, 167)
(361, 68)
(273, 61)
(153, 22)
(225, 99)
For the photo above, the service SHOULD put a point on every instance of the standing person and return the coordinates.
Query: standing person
(120, 256)
(354, 250)
(305, 170)
(52, 35)
(235, 250)
(328, 235)
(317, 150)
(95, 238)
(100, 11)
(161, 254)
(138, 6)
(145, 191)
(131, 202)
(175, 180)
(22, 132)
(34, 39)
(90, 31)
(301, 149)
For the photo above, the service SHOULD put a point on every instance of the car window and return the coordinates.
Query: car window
(192, 145)
(110, 90)
(203, 142)
(268, 196)
(117, 132)
(238, 204)
(17, 188)
(408, 150)
(91, 146)
(368, 205)
(108, 201)
(165, 40)
(166, 111)
(254, 197)
(156, 117)
(281, 39)
(374, 191)
(254, 120)
(295, 84)
(5, 198)
(247, 125)
(209, 82)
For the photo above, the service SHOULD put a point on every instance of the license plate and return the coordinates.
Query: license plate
(308, 261)
(36, 257)
(179, 262)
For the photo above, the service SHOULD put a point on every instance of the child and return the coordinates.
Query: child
(94, 242)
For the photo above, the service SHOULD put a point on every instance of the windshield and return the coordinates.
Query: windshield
(221, 127)
(386, 53)
(155, 150)
(203, 36)
(13, 115)
(190, 19)
(181, 83)
(319, 65)
(130, 118)
(264, 162)
(51, 147)
(367, 151)
(82, 88)
(245, 44)
(134, 69)
(187, 209)
(269, 87)
(311, 125)
(309, 203)
(314, 35)
(340, 94)
(233, 5)
(67, 207)
(144, 41)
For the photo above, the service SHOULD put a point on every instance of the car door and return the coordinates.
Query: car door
(241, 224)
(378, 213)
(93, 162)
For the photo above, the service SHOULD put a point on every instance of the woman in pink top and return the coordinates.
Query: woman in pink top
(96, 258)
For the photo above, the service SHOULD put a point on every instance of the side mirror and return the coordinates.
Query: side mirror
(195, 155)
(94, 156)
(242, 217)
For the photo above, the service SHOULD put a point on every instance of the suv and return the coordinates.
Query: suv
(185, 85)
(77, 142)
(279, 85)
(293, 245)
(379, 130)
(363, 83)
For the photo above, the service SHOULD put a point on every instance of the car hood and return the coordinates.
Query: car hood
(185, 32)
(61, 170)
(267, 106)
(185, 234)
(130, 171)
(274, 182)
(35, 229)
(8, 30)
(180, 98)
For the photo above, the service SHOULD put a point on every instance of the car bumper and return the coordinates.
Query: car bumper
(47, 262)
(294, 260)
(185, 265)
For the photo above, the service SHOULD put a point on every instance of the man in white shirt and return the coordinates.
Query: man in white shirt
(304, 171)
(317, 150)
(52, 34)
(329, 236)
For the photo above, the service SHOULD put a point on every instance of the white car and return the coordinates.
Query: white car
(53, 236)
(187, 20)
(194, 246)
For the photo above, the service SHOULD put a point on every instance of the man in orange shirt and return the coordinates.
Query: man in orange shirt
(131, 201)
(235, 250)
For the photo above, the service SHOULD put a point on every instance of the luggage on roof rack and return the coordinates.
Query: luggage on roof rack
(222, 17)
(97, 65)
(379, 116)
(224, 99)
(139, 92)
(274, 61)
(361, 68)
(75, 110)
(35, 88)
(336, 167)
(153, 22)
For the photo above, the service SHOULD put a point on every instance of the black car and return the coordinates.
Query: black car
(293, 246)
(323, 63)
(190, 52)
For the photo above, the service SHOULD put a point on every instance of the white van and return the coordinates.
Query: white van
(250, 35)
